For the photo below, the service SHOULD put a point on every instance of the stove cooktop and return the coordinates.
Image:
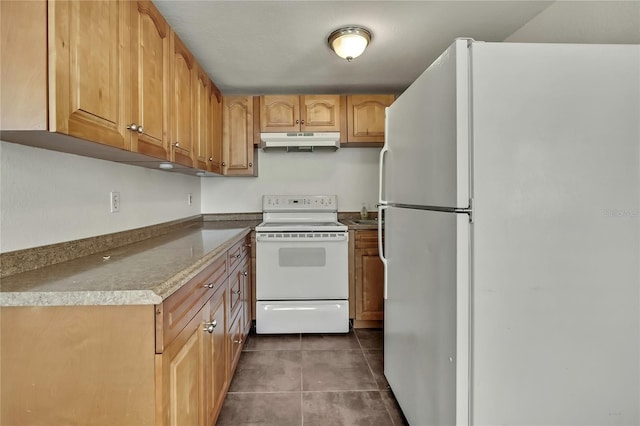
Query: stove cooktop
(301, 226)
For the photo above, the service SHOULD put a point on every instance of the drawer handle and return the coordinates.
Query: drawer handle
(210, 326)
(210, 285)
(245, 273)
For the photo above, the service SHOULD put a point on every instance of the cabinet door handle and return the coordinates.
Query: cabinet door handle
(239, 341)
(133, 127)
(302, 122)
(175, 144)
(236, 292)
(140, 129)
(223, 164)
(245, 273)
(210, 158)
(209, 326)
(208, 285)
(297, 121)
(237, 256)
(250, 164)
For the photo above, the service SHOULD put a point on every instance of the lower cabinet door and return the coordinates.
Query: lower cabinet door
(236, 340)
(217, 374)
(246, 294)
(369, 284)
(183, 373)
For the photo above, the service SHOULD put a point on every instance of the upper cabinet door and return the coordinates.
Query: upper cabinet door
(292, 113)
(182, 134)
(150, 44)
(280, 113)
(201, 118)
(237, 138)
(91, 77)
(320, 113)
(365, 117)
(215, 129)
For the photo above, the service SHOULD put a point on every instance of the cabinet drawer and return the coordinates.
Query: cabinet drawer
(235, 291)
(366, 239)
(235, 254)
(178, 309)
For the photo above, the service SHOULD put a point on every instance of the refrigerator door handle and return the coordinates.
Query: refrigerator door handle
(383, 151)
(381, 209)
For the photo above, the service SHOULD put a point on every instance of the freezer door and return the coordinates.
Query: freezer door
(426, 333)
(425, 160)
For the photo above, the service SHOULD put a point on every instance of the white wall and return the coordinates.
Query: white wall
(48, 197)
(583, 22)
(350, 173)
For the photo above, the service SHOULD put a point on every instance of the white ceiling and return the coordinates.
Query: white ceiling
(256, 47)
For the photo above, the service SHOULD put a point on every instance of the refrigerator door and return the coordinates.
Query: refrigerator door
(556, 275)
(425, 160)
(426, 333)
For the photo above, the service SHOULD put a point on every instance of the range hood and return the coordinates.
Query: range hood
(300, 141)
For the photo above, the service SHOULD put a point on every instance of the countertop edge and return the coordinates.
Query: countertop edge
(182, 277)
(153, 296)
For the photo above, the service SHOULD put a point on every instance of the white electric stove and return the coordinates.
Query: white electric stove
(302, 282)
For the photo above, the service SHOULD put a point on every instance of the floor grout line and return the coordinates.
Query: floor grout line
(388, 407)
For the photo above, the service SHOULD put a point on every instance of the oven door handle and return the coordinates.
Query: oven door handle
(381, 209)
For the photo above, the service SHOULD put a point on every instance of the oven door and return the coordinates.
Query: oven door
(296, 265)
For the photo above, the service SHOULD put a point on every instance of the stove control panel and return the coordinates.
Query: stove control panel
(274, 203)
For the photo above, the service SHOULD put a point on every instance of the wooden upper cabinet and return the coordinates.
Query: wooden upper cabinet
(201, 118)
(292, 113)
(215, 129)
(89, 42)
(150, 43)
(320, 113)
(280, 113)
(366, 118)
(237, 135)
(182, 132)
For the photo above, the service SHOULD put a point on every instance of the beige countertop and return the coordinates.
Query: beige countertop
(146, 272)
(353, 224)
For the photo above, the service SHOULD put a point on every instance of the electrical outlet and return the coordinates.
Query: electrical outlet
(115, 202)
(190, 198)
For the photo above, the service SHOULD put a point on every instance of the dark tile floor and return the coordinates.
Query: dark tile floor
(311, 380)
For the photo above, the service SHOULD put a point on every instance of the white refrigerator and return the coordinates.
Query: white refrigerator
(510, 191)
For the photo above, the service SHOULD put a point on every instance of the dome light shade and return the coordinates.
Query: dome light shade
(349, 42)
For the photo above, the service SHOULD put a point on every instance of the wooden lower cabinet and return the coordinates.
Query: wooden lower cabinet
(369, 280)
(169, 364)
(235, 341)
(239, 315)
(183, 374)
(82, 365)
(217, 374)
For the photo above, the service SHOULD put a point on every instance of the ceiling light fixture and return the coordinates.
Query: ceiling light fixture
(349, 42)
